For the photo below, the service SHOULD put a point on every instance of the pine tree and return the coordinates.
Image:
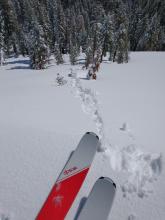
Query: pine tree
(96, 31)
(10, 25)
(74, 52)
(81, 32)
(107, 35)
(58, 54)
(89, 53)
(60, 27)
(137, 26)
(38, 49)
(37, 27)
(152, 36)
(52, 8)
(2, 43)
(121, 35)
(73, 38)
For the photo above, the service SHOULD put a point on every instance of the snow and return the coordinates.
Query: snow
(82, 74)
(40, 124)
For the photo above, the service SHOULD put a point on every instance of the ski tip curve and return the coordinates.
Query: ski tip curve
(109, 180)
(92, 133)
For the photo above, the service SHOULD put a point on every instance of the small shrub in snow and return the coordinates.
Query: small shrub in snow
(60, 80)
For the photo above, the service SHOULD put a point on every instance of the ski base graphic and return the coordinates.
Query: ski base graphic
(70, 180)
(99, 201)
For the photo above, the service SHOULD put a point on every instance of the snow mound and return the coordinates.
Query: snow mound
(126, 128)
(142, 168)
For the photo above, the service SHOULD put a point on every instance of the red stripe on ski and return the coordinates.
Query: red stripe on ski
(61, 197)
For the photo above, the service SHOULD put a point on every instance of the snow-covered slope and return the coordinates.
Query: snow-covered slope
(41, 123)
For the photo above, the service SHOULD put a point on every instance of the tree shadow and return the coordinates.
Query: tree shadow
(25, 62)
(19, 68)
(81, 61)
(18, 64)
(80, 207)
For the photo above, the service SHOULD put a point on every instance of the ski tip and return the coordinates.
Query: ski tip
(101, 178)
(92, 133)
(108, 179)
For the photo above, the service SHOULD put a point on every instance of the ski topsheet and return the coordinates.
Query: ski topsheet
(70, 180)
(99, 201)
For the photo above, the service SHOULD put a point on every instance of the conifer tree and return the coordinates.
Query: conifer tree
(137, 26)
(60, 26)
(10, 25)
(38, 49)
(2, 43)
(52, 8)
(58, 54)
(37, 27)
(121, 35)
(107, 35)
(89, 53)
(73, 54)
(74, 44)
(152, 36)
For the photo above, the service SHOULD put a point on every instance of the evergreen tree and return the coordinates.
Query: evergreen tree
(152, 36)
(89, 53)
(137, 26)
(81, 32)
(60, 27)
(74, 44)
(2, 43)
(58, 54)
(39, 27)
(74, 52)
(52, 10)
(38, 49)
(10, 25)
(107, 35)
(122, 39)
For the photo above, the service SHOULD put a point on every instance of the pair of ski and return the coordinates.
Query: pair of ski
(68, 184)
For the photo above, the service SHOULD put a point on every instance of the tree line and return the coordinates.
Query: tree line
(40, 28)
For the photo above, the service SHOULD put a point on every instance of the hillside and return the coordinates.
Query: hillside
(41, 123)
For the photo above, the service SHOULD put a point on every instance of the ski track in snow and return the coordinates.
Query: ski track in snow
(89, 106)
(141, 168)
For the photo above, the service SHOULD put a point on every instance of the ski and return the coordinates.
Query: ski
(99, 201)
(70, 180)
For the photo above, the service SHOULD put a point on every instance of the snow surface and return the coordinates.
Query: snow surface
(41, 123)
